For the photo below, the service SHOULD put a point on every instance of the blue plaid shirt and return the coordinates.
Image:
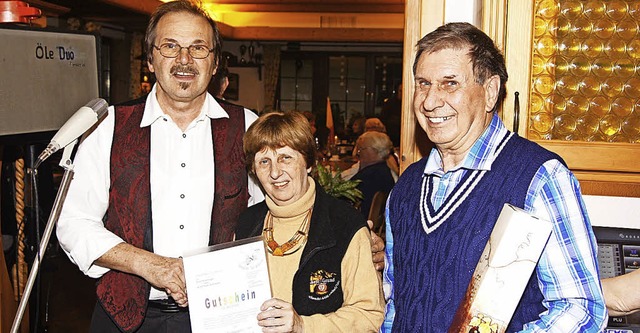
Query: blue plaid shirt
(567, 270)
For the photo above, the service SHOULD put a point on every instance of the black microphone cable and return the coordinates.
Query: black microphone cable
(35, 199)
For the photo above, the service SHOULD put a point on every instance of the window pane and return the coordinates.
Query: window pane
(288, 88)
(304, 89)
(388, 75)
(287, 68)
(305, 68)
(287, 105)
(354, 108)
(356, 90)
(337, 67)
(356, 67)
(337, 92)
(303, 106)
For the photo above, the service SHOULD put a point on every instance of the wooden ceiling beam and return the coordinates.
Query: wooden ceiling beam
(304, 2)
(310, 8)
(140, 6)
(325, 6)
(288, 34)
(316, 34)
(226, 31)
(48, 8)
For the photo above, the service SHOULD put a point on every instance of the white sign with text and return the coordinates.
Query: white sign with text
(226, 285)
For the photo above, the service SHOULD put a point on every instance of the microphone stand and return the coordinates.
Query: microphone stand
(67, 165)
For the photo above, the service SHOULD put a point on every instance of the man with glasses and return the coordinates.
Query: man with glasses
(160, 176)
(443, 208)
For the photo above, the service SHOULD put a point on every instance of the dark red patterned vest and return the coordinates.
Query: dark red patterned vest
(124, 296)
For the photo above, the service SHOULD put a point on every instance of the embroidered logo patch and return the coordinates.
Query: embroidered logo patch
(322, 284)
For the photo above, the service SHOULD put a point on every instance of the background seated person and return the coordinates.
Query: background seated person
(312, 121)
(219, 83)
(335, 289)
(373, 150)
(355, 127)
(374, 124)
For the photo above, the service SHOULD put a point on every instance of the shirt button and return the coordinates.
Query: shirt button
(165, 119)
(181, 226)
(184, 135)
(183, 165)
(181, 196)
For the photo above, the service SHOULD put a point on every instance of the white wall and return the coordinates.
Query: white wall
(621, 212)
(463, 11)
(251, 92)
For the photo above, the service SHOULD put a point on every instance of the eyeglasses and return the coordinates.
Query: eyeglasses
(172, 50)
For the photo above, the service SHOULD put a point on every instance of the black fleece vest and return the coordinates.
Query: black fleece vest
(317, 284)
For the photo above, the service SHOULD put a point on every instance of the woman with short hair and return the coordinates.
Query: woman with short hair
(322, 275)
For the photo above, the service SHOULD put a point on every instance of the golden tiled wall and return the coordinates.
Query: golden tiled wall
(586, 71)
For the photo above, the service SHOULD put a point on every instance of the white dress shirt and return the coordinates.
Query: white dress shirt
(182, 187)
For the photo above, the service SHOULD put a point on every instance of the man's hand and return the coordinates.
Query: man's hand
(161, 272)
(377, 248)
(168, 274)
(620, 295)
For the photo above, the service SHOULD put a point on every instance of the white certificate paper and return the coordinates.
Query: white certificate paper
(226, 284)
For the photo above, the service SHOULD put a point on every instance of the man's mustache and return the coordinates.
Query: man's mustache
(184, 69)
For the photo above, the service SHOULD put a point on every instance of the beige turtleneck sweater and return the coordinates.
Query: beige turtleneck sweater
(363, 307)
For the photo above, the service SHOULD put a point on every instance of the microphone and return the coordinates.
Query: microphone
(79, 123)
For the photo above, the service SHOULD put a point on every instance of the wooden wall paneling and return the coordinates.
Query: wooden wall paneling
(597, 156)
(617, 184)
(421, 17)
(494, 20)
(517, 51)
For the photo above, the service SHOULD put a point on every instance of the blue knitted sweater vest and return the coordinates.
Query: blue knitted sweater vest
(433, 269)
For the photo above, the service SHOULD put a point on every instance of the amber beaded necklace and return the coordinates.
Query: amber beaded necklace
(293, 244)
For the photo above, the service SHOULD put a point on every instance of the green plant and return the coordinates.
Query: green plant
(333, 184)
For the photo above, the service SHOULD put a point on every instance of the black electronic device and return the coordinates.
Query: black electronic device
(619, 253)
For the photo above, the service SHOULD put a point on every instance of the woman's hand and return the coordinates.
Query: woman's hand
(278, 316)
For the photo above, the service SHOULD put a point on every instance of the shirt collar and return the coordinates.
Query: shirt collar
(480, 156)
(152, 110)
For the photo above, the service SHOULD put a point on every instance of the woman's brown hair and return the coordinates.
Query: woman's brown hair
(276, 130)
